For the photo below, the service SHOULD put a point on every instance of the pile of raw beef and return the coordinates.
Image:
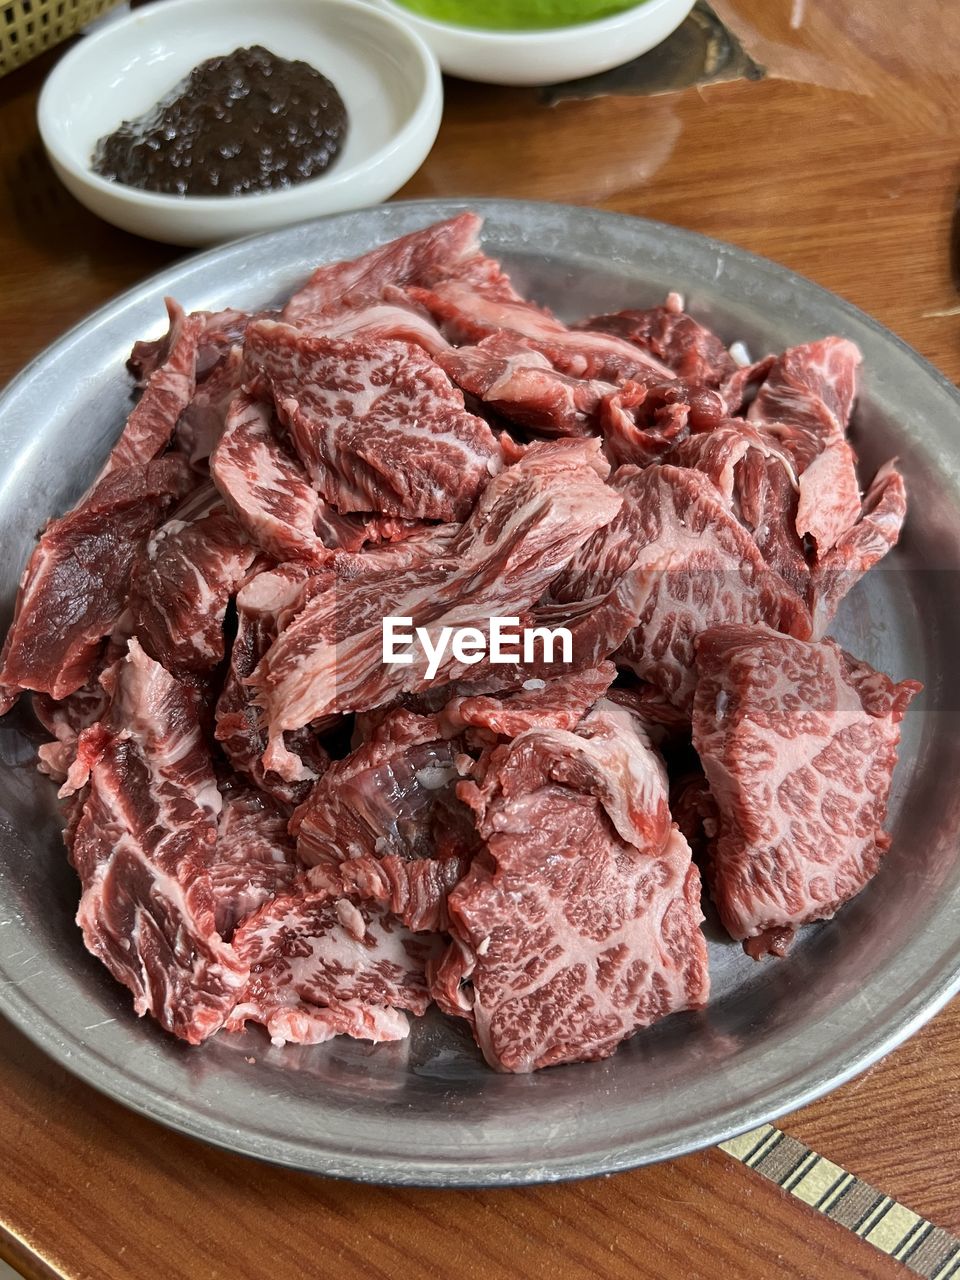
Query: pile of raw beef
(272, 825)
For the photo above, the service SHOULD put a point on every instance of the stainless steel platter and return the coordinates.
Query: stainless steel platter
(775, 1034)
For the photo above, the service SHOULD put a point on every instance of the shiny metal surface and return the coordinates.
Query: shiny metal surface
(776, 1034)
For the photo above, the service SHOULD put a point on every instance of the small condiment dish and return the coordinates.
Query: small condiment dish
(545, 56)
(387, 76)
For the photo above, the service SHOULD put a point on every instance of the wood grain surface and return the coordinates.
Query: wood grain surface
(844, 164)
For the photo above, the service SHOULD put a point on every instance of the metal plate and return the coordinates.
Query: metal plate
(427, 1111)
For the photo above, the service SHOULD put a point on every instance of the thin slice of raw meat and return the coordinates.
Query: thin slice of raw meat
(570, 939)
(523, 386)
(807, 398)
(608, 757)
(675, 338)
(181, 583)
(570, 936)
(143, 846)
(394, 794)
(799, 742)
(767, 498)
(642, 422)
(395, 319)
(266, 489)
(386, 823)
(357, 531)
(201, 424)
(483, 712)
(719, 453)
(220, 331)
(829, 499)
(861, 547)
(264, 604)
(530, 521)
(377, 425)
(467, 315)
(322, 967)
(168, 391)
(255, 857)
(75, 586)
(423, 545)
(414, 890)
(422, 257)
(690, 565)
(149, 354)
(598, 625)
(269, 493)
(813, 385)
(738, 389)
(67, 718)
(557, 703)
(757, 476)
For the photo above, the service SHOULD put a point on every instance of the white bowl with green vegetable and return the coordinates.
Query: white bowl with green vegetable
(528, 42)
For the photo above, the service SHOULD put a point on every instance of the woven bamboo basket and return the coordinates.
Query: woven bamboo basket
(27, 27)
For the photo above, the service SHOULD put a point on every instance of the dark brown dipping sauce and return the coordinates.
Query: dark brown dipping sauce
(248, 121)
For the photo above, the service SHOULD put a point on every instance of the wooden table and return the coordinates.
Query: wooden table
(844, 165)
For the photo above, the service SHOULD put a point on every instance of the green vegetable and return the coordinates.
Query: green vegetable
(517, 15)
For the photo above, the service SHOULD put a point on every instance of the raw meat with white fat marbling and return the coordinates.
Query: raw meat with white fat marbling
(265, 487)
(76, 583)
(322, 966)
(807, 396)
(798, 742)
(201, 424)
(468, 314)
(394, 318)
(377, 425)
(392, 794)
(813, 385)
(694, 566)
(522, 385)
(181, 584)
(255, 857)
(861, 547)
(143, 847)
(531, 520)
(558, 703)
(580, 921)
(446, 250)
(385, 822)
(263, 605)
(66, 718)
(757, 477)
(686, 347)
(168, 391)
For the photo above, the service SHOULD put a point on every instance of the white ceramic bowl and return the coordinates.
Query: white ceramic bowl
(546, 57)
(387, 76)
